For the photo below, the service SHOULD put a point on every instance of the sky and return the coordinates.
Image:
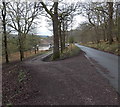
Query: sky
(44, 29)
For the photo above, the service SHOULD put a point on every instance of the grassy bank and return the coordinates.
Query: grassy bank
(114, 48)
(16, 56)
(68, 52)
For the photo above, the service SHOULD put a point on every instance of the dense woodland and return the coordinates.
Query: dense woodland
(20, 17)
(103, 23)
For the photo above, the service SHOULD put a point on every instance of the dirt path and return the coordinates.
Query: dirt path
(73, 81)
(0, 84)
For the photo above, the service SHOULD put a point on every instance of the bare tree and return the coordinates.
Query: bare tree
(53, 12)
(118, 20)
(66, 14)
(4, 31)
(100, 15)
(21, 19)
(110, 21)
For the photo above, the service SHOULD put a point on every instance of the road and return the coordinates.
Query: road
(106, 60)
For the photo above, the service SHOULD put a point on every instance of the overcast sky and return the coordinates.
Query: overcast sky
(44, 29)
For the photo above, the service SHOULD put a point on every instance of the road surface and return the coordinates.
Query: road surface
(108, 61)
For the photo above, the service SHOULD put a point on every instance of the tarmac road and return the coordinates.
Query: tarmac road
(108, 61)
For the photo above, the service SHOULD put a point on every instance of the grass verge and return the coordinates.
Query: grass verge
(68, 52)
(16, 56)
(114, 48)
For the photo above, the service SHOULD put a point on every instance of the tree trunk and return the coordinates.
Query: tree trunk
(21, 55)
(119, 28)
(20, 35)
(63, 44)
(61, 39)
(105, 29)
(64, 35)
(110, 22)
(56, 53)
(54, 16)
(21, 48)
(97, 34)
(104, 35)
(35, 51)
(4, 32)
(118, 21)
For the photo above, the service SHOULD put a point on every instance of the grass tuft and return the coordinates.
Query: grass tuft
(21, 76)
